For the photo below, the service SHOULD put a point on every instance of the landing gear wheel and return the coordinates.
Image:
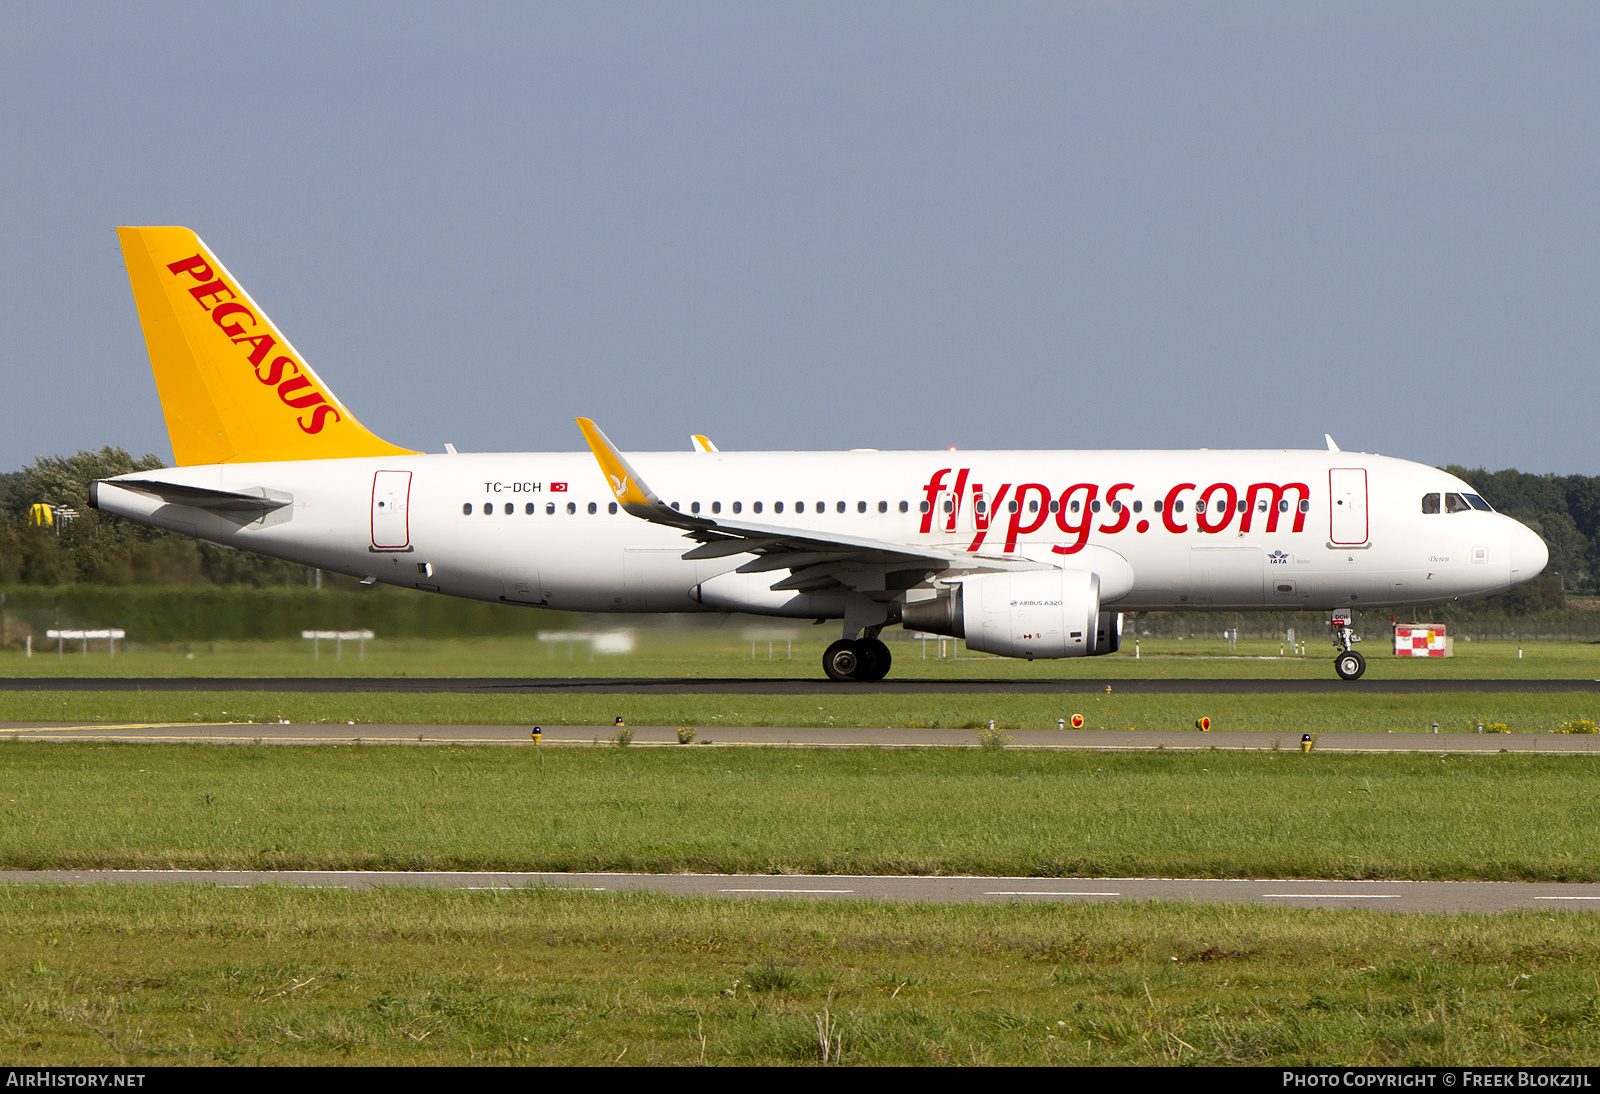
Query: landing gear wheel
(843, 661)
(1350, 665)
(877, 658)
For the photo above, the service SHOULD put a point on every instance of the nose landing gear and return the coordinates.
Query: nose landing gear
(1347, 662)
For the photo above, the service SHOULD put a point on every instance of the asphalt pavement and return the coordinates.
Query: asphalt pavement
(631, 685)
(1386, 896)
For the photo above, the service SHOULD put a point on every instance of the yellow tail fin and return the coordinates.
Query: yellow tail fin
(232, 387)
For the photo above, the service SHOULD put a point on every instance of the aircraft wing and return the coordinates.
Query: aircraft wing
(816, 561)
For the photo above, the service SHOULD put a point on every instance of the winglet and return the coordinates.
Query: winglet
(620, 476)
(702, 443)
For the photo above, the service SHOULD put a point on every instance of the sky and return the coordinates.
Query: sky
(830, 225)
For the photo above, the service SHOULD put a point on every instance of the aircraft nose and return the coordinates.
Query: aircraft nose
(1528, 553)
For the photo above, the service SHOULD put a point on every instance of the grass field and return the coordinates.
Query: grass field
(701, 652)
(150, 976)
(926, 811)
(178, 975)
(1286, 716)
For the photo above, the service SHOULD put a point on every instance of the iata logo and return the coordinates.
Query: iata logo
(1278, 557)
(231, 316)
(1076, 508)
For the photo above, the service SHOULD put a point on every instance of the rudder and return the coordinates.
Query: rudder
(232, 388)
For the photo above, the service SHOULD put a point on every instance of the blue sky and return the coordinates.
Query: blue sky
(824, 226)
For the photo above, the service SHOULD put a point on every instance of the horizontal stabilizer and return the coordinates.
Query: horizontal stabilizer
(258, 500)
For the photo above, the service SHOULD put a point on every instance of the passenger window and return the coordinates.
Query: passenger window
(1094, 506)
(1011, 506)
(738, 507)
(1116, 507)
(1033, 505)
(1455, 503)
(550, 509)
(1430, 504)
(883, 507)
(777, 507)
(1177, 506)
(757, 507)
(674, 505)
(822, 507)
(982, 506)
(1261, 506)
(572, 508)
(949, 505)
(861, 506)
(593, 508)
(694, 507)
(716, 507)
(1138, 507)
(1076, 505)
(612, 508)
(488, 508)
(1055, 506)
(922, 506)
(1243, 505)
(529, 509)
(1283, 506)
(510, 508)
(1156, 505)
(840, 507)
(466, 510)
(1305, 505)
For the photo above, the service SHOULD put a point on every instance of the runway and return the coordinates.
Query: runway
(239, 733)
(1388, 896)
(622, 685)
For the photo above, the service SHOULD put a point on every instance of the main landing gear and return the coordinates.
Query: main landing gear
(1347, 662)
(864, 660)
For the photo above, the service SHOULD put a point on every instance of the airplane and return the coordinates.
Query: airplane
(1027, 554)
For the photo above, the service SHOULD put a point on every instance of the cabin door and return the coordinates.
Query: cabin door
(1347, 504)
(391, 500)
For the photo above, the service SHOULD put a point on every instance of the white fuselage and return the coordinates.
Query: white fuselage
(1321, 530)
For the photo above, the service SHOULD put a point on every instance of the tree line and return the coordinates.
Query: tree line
(101, 549)
(96, 548)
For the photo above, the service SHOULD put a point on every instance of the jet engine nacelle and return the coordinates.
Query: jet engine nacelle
(1034, 613)
(1031, 613)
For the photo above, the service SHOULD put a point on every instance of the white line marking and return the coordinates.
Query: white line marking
(785, 890)
(1020, 892)
(1334, 896)
(1567, 898)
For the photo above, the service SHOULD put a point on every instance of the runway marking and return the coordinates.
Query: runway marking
(129, 725)
(1567, 898)
(520, 888)
(1020, 892)
(1332, 896)
(785, 890)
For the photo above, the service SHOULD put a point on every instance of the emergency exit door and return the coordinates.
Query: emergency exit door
(391, 498)
(1347, 505)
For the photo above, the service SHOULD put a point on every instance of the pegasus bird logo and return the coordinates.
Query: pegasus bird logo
(619, 484)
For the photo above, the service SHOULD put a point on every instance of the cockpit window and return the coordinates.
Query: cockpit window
(1455, 503)
(1479, 504)
(1430, 504)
